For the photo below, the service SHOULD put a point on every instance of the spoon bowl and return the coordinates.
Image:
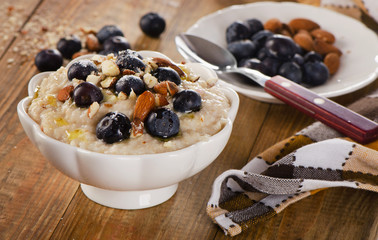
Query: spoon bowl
(219, 59)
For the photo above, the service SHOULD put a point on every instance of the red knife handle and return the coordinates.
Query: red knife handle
(342, 119)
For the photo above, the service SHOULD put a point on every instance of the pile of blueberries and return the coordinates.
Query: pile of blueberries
(115, 126)
(110, 38)
(274, 54)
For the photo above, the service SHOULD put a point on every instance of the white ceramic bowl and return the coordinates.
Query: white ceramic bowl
(128, 181)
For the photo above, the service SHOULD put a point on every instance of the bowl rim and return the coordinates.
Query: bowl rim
(231, 95)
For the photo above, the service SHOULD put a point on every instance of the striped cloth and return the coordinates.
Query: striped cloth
(312, 160)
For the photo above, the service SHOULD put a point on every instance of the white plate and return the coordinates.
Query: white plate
(359, 62)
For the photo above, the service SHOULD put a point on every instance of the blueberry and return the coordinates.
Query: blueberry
(113, 127)
(69, 45)
(81, 69)
(298, 59)
(262, 53)
(252, 63)
(130, 60)
(242, 49)
(270, 66)
(237, 31)
(281, 47)
(260, 38)
(152, 24)
(254, 25)
(116, 44)
(187, 101)
(316, 73)
(167, 74)
(313, 57)
(162, 123)
(108, 31)
(86, 93)
(130, 82)
(48, 60)
(291, 71)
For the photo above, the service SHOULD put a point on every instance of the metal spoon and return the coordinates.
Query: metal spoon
(351, 124)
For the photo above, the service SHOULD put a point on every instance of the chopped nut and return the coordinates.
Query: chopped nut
(166, 87)
(93, 109)
(128, 72)
(122, 96)
(98, 59)
(94, 79)
(193, 78)
(110, 68)
(132, 95)
(92, 43)
(211, 82)
(160, 100)
(78, 54)
(65, 93)
(108, 82)
(150, 80)
(137, 128)
(162, 62)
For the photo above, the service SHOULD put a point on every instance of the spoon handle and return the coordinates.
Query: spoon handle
(342, 119)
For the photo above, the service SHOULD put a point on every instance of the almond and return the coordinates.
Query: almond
(166, 87)
(160, 100)
(162, 62)
(65, 93)
(109, 68)
(303, 23)
(128, 72)
(78, 54)
(304, 41)
(92, 43)
(323, 35)
(94, 79)
(332, 61)
(324, 48)
(93, 109)
(286, 30)
(143, 106)
(273, 25)
(108, 82)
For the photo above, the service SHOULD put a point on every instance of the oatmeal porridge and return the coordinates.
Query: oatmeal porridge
(128, 104)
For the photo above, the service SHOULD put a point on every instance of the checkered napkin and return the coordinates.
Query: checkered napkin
(314, 159)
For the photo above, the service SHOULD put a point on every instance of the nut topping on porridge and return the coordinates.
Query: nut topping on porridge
(118, 102)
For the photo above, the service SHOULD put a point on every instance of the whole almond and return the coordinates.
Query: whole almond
(324, 48)
(302, 23)
(143, 106)
(323, 35)
(273, 25)
(65, 93)
(286, 30)
(332, 61)
(304, 41)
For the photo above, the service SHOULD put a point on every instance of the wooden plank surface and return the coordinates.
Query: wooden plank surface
(38, 202)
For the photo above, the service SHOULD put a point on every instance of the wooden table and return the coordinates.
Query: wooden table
(38, 202)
